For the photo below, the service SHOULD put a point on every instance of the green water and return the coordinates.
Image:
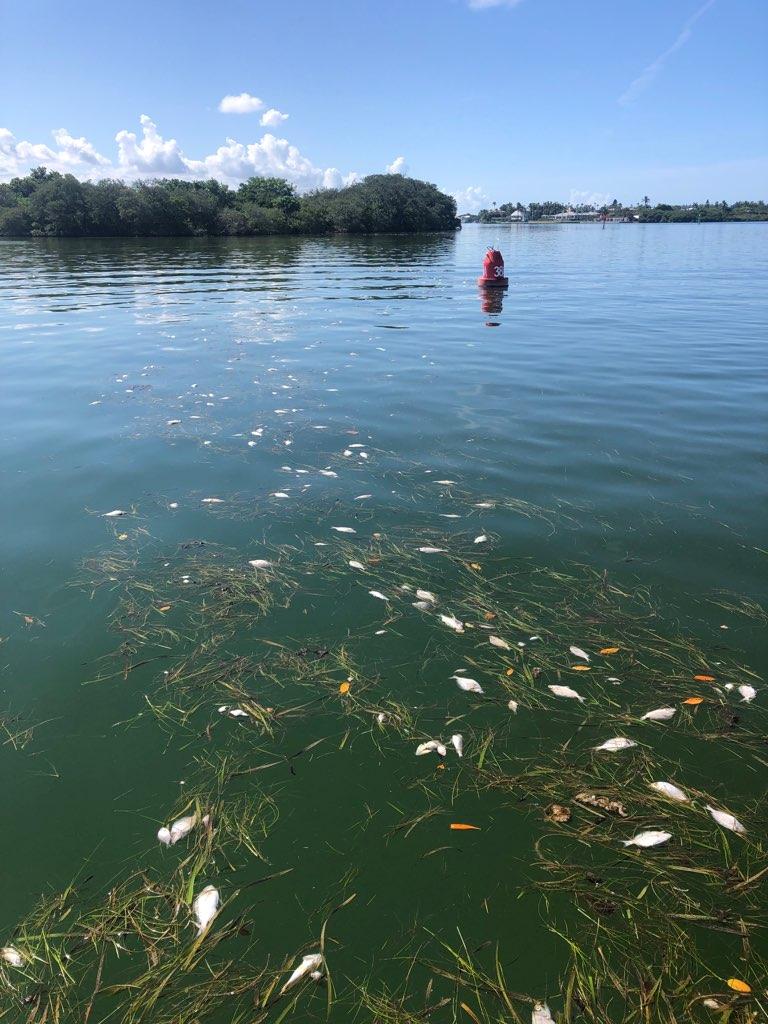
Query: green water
(610, 415)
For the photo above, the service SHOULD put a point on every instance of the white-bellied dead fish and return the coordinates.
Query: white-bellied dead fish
(452, 622)
(564, 691)
(645, 839)
(205, 907)
(260, 563)
(428, 746)
(541, 1015)
(426, 595)
(378, 594)
(356, 565)
(11, 955)
(343, 529)
(658, 715)
(309, 965)
(616, 743)
(468, 685)
(747, 692)
(671, 791)
(431, 551)
(727, 820)
(480, 540)
(578, 653)
(496, 641)
(114, 514)
(458, 743)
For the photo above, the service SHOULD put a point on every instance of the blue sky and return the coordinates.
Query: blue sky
(490, 99)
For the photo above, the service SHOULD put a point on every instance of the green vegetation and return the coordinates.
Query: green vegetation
(48, 204)
(642, 212)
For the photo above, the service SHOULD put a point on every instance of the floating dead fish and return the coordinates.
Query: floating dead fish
(328, 472)
(645, 839)
(172, 423)
(452, 622)
(496, 641)
(362, 497)
(114, 514)
(309, 965)
(747, 692)
(513, 706)
(617, 743)
(468, 685)
(603, 802)
(458, 743)
(279, 494)
(659, 715)
(356, 565)
(426, 595)
(183, 826)
(668, 789)
(381, 718)
(444, 482)
(429, 746)
(565, 691)
(541, 1014)
(11, 955)
(449, 515)
(164, 835)
(343, 529)
(205, 907)
(432, 551)
(423, 606)
(484, 504)
(578, 653)
(260, 563)
(378, 594)
(726, 820)
(480, 540)
(212, 501)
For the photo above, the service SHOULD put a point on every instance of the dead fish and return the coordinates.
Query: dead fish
(617, 743)
(328, 472)
(381, 717)
(11, 955)
(747, 692)
(432, 551)
(429, 746)
(172, 423)
(480, 540)
(362, 497)
(343, 529)
(541, 1014)
(378, 594)
(646, 839)
(183, 826)
(726, 820)
(565, 691)
(205, 907)
(426, 595)
(212, 501)
(356, 565)
(114, 514)
(670, 790)
(164, 836)
(444, 482)
(603, 802)
(309, 964)
(452, 622)
(496, 641)
(260, 563)
(468, 685)
(659, 715)
(458, 743)
(578, 653)
(279, 494)
(423, 606)
(513, 706)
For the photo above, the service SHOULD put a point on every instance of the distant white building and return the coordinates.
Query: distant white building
(517, 216)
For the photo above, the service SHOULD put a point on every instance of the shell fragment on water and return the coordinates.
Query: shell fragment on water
(565, 691)
(616, 743)
(659, 715)
(645, 839)
(671, 791)
(309, 966)
(205, 907)
(727, 820)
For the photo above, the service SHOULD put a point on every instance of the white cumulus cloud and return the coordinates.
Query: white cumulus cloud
(243, 103)
(152, 156)
(471, 199)
(398, 166)
(272, 118)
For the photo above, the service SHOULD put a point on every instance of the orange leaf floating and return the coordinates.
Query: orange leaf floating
(476, 566)
(704, 679)
(610, 650)
(693, 700)
(580, 668)
(510, 672)
(164, 608)
(344, 688)
(489, 616)
(737, 985)
(456, 826)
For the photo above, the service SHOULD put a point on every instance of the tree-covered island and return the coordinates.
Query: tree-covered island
(642, 212)
(49, 204)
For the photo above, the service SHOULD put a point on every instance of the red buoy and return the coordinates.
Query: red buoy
(493, 270)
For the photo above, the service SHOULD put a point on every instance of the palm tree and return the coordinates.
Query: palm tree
(646, 202)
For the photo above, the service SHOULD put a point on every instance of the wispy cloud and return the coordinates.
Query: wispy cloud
(483, 5)
(645, 78)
